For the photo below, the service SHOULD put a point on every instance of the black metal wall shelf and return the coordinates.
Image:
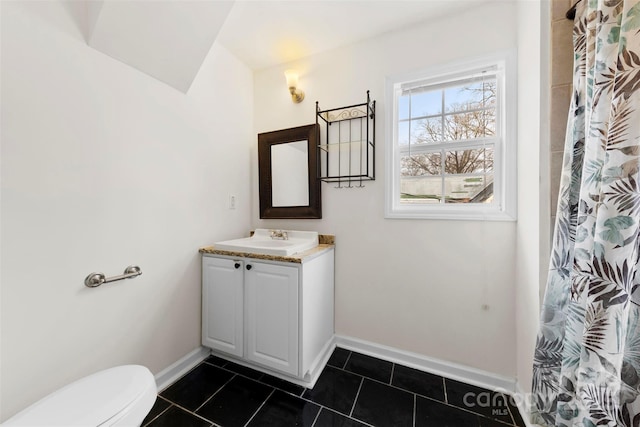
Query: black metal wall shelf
(346, 150)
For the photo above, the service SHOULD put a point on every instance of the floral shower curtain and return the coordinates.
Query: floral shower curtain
(587, 361)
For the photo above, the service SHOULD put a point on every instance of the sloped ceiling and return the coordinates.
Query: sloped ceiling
(169, 39)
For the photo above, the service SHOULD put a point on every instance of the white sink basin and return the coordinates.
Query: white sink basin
(262, 243)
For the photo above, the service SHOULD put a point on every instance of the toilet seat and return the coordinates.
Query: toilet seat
(123, 395)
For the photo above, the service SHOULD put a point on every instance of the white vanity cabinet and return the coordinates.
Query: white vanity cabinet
(272, 315)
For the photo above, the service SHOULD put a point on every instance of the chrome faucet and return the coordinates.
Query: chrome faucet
(279, 234)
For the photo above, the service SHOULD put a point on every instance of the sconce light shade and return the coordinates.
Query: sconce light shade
(292, 83)
(292, 78)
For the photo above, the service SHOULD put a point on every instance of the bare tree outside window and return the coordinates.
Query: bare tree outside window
(469, 115)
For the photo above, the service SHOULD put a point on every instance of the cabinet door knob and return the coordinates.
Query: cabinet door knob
(237, 265)
(248, 266)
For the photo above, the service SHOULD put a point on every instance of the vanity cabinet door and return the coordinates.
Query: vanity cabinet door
(272, 315)
(222, 304)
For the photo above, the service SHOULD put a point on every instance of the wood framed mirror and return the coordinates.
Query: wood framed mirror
(288, 171)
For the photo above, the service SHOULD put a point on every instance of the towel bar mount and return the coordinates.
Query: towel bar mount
(94, 280)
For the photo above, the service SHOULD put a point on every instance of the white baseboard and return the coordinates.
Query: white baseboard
(444, 368)
(183, 365)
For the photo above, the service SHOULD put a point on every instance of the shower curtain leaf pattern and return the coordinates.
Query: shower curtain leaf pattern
(587, 360)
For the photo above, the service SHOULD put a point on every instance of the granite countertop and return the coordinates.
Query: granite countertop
(327, 241)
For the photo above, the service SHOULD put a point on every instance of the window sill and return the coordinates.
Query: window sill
(449, 213)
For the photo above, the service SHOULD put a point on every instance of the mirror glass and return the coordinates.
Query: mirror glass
(289, 174)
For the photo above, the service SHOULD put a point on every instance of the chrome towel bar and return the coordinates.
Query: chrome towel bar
(96, 279)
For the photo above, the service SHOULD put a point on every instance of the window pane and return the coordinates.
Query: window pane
(403, 133)
(420, 189)
(468, 189)
(458, 98)
(403, 107)
(426, 130)
(426, 103)
(470, 96)
(469, 125)
(421, 164)
(479, 160)
(420, 178)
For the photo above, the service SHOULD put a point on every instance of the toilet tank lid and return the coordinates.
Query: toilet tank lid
(89, 401)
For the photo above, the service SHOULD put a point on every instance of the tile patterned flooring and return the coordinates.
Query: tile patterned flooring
(354, 390)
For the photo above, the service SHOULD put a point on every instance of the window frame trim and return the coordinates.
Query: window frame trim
(504, 207)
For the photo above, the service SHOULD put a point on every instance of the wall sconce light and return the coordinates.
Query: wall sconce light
(292, 83)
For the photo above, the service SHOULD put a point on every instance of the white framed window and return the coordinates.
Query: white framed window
(451, 141)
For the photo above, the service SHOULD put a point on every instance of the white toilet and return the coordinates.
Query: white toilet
(120, 396)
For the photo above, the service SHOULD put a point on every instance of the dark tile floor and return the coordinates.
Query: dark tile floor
(353, 390)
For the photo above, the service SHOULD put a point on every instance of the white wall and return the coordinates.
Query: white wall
(532, 247)
(103, 167)
(416, 285)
